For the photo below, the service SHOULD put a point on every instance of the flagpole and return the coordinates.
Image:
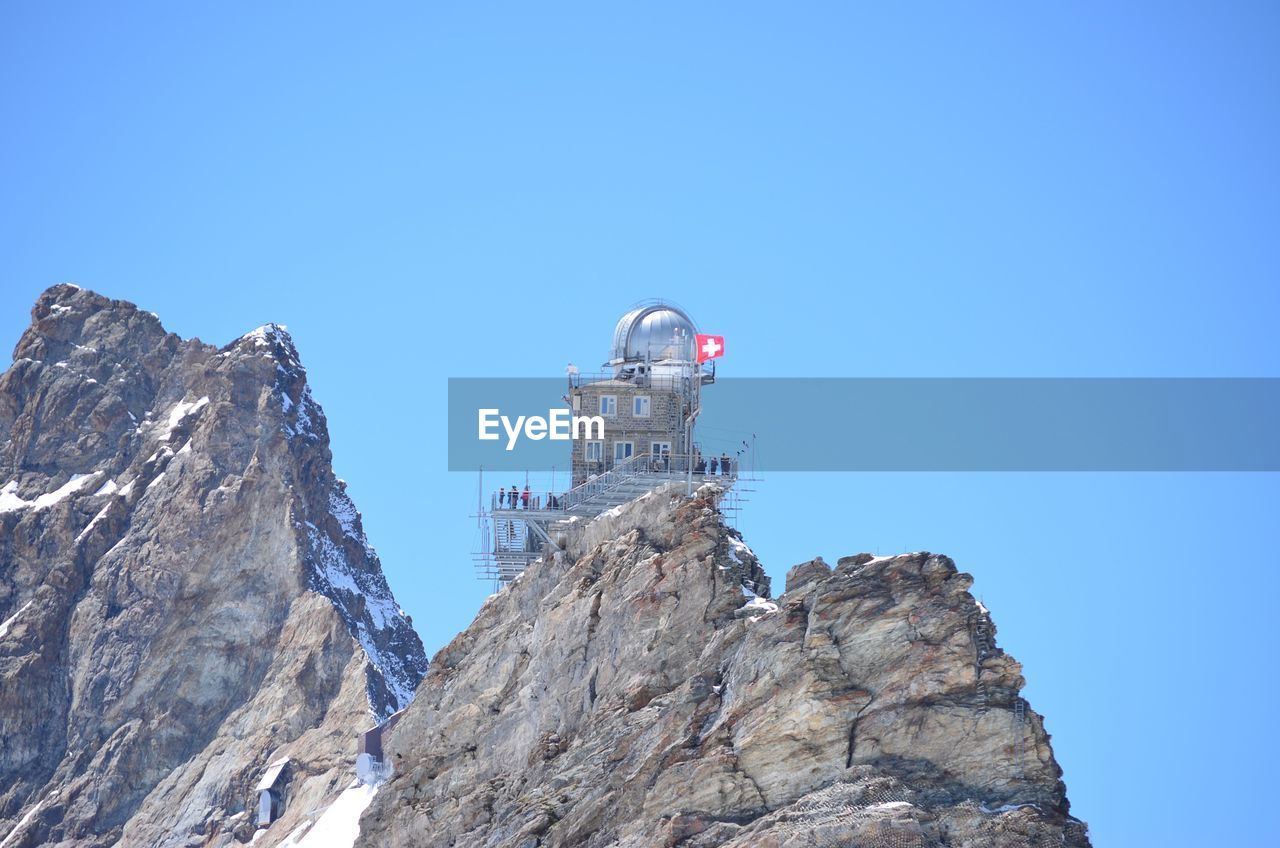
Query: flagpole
(688, 446)
(696, 403)
(694, 409)
(693, 413)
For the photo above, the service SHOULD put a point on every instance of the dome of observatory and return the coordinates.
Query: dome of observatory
(653, 332)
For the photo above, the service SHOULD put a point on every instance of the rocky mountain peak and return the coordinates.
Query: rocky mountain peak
(638, 688)
(189, 605)
(66, 318)
(187, 588)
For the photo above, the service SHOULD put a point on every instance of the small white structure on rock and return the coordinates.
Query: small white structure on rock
(371, 762)
(271, 791)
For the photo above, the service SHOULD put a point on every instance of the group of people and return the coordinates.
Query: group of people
(518, 499)
(513, 499)
(723, 465)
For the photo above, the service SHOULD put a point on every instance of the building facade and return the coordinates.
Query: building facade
(648, 397)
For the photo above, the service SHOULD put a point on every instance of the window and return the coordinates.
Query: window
(659, 448)
(609, 405)
(640, 406)
(593, 451)
(622, 450)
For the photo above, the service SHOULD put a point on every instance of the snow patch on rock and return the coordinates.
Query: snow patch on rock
(10, 501)
(299, 423)
(758, 606)
(180, 411)
(339, 825)
(738, 549)
(22, 823)
(360, 595)
(89, 527)
(4, 631)
(266, 335)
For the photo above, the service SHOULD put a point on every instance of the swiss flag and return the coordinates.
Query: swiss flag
(709, 347)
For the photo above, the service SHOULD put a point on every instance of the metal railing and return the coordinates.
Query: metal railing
(598, 484)
(661, 466)
(666, 382)
(514, 541)
(503, 500)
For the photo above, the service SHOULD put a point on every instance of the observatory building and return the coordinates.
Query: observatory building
(648, 397)
(649, 394)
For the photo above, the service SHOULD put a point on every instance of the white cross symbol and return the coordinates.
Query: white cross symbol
(711, 347)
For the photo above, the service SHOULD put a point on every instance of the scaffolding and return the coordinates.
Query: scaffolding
(1020, 734)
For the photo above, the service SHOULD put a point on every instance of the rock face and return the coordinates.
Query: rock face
(187, 596)
(628, 693)
(185, 588)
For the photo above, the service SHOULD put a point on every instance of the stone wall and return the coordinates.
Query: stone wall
(665, 422)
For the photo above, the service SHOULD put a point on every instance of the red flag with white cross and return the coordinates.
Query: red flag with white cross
(709, 347)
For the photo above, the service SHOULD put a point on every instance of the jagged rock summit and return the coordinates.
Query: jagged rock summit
(637, 689)
(187, 597)
(186, 591)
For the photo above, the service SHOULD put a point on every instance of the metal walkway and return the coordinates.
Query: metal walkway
(519, 533)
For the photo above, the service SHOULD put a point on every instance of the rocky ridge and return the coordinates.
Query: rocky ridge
(637, 689)
(187, 595)
(186, 589)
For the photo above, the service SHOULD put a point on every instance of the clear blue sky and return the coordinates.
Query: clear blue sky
(426, 190)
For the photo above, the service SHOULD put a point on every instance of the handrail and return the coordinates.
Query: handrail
(600, 483)
(670, 466)
(535, 501)
(668, 382)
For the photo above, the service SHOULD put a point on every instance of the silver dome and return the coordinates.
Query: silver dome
(653, 332)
